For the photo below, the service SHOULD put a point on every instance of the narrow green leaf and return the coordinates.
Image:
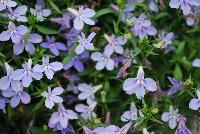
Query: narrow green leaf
(161, 15)
(55, 7)
(103, 12)
(38, 105)
(46, 30)
(68, 58)
(178, 73)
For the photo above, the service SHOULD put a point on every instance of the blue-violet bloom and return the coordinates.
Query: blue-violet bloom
(48, 68)
(139, 84)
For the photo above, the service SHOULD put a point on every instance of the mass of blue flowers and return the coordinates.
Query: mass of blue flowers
(99, 67)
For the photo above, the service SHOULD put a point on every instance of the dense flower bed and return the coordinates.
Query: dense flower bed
(99, 67)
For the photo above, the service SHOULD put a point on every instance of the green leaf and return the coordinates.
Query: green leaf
(38, 105)
(193, 30)
(103, 12)
(139, 122)
(68, 58)
(161, 15)
(155, 120)
(178, 73)
(55, 7)
(45, 30)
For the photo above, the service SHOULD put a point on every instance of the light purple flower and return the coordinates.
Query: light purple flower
(146, 132)
(122, 71)
(71, 37)
(177, 85)
(17, 94)
(87, 92)
(103, 60)
(139, 84)
(114, 44)
(82, 16)
(77, 62)
(3, 104)
(86, 111)
(52, 96)
(195, 102)
(18, 48)
(13, 32)
(60, 119)
(185, 5)
(196, 63)
(120, 59)
(129, 6)
(64, 21)
(6, 81)
(7, 4)
(53, 46)
(142, 27)
(165, 39)
(112, 129)
(130, 115)
(84, 43)
(72, 87)
(40, 13)
(48, 68)
(182, 128)
(18, 14)
(171, 117)
(153, 5)
(26, 74)
(190, 21)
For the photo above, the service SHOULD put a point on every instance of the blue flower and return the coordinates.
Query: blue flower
(82, 16)
(26, 74)
(139, 84)
(171, 117)
(48, 68)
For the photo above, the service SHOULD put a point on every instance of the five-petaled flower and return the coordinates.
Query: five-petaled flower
(82, 16)
(48, 68)
(17, 94)
(53, 46)
(103, 60)
(26, 74)
(171, 117)
(13, 32)
(6, 81)
(61, 117)
(64, 21)
(185, 5)
(52, 96)
(195, 102)
(87, 92)
(18, 14)
(19, 47)
(130, 115)
(7, 4)
(142, 27)
(139, 84)
(86, 111)
(40, 13)
(84, 43)
(114, 44)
